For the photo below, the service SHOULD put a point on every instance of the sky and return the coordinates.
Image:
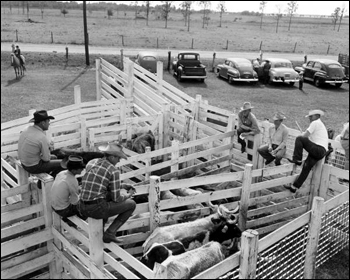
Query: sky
(305, 7)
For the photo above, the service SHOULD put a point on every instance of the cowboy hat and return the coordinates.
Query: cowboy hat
(315, 112)
(73, 162)
(278, 116)
(246, 106)
(41, 116)
(114, 149)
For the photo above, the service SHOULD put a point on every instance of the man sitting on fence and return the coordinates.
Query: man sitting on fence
(34, 147)
(277, 142)
(100, 196)
(65, 189)
(247, 124)
(315, 141)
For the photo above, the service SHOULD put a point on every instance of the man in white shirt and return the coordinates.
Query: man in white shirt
(315, 141)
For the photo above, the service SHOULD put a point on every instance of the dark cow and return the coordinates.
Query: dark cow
(139, 143)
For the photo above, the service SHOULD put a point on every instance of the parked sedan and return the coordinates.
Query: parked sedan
(323, 71)
(281, 71)
(237, 69)
(147, 60)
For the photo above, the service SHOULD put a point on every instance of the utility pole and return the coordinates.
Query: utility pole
(86, 35)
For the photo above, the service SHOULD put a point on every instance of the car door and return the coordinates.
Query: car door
(224, 69)
(308, 71)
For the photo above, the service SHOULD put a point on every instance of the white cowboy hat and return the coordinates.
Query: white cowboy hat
(114, 149)
(278, 116)
(315, 112)
(246, 106)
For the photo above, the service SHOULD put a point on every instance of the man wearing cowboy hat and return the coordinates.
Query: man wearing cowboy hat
(34, 148)
(315, 141)
(247, 124)
(277, 143)
(65, 189)
(100, 196)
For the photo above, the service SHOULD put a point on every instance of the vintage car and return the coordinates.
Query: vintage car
(323, 71)
(281, 71)
(237, 69)
(147, 60)
(188, 66)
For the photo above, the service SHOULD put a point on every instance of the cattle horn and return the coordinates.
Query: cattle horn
(212, 206)
(234, 211)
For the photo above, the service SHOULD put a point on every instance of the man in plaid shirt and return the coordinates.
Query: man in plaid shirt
(100, 196)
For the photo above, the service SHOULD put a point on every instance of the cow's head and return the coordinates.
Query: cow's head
(223, 214)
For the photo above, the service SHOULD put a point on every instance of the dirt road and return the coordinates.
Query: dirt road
(59, 48)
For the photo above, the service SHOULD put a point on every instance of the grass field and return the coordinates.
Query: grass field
(244, 34)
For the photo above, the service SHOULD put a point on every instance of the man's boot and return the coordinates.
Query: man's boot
(110, 234)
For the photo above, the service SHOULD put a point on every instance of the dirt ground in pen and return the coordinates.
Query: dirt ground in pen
(49, 83)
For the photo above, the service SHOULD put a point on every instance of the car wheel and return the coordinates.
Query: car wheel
(338, 85)
(317, 82)
(179, 75)
(291, 84)
(230, 80)
(201, 80)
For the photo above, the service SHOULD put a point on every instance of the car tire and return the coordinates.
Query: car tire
(338, 85)
(230, 80)
(291, 84)
(179, 75)
(201, 80)
(317, 82)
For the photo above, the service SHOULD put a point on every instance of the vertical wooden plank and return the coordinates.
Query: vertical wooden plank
(91, 139)
(83, 140)
(164, 136)
(130, 77)
(96, 244)
(249, 254)
(324, 183)
(154, 202)
(46, 183)
(313, 236)
(229, 140)
(196, 108)
(193, 134)
(57, 225)
(23, 178)
(244, 202)
(160, 78)
(315, 181)
(98, 79)
(175, 155)
(148, 162)
(77, 95)
(122, 111)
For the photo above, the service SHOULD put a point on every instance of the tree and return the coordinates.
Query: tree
(206, 10)
(342, 12)
(335, 16)
(166, 10)
(64, 12)
(292, 8)
(147, 4)
(109, 13)
(222, 9)
(185, 7)
(278, 15)
(261, 9)
(42, 5)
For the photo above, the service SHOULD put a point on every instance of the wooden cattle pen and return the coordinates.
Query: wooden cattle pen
(196, 159)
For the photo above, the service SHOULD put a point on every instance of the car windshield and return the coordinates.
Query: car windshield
(334, 66)
(189, 56)
(282, 65)
(149, 58)
(244, 64)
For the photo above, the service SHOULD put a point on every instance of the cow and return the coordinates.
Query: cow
(191, 263)
(174, 232)
(138, 143)
(160, 252)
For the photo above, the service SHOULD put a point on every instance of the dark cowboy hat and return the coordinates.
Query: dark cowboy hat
(73, 162)
(41, 116)
(114, 149)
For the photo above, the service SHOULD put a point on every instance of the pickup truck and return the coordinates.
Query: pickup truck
(188, 66)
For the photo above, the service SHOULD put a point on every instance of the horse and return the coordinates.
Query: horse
(16, 65)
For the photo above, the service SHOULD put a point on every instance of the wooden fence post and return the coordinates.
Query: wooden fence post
(122, 59)
(154, 202)
(130, 77)
(249, 254)
(324, 184)
(66, 54)
(16, 35)
(169, 60)
(313, 236)
(159, 78)
(175, 156)
(83, 133)
(245, 195)
(315, 181)
(47, 182)
(51, 37)
(197, 106)
(256, 156)
(229, 140)
(77, 95)
(148, 162)
(98, 79)
(96, 244)
(214, 56)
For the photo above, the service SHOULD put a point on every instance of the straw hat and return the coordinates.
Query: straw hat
(278, 116)
(114, 149)
(246, 106)
(315, 112)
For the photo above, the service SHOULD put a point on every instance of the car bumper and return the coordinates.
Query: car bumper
(193, 77)
(335, 82)
(285, 81)
(245, 80)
